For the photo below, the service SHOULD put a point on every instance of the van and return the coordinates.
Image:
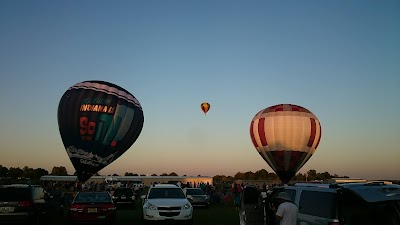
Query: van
(368, 203)
(21, 203)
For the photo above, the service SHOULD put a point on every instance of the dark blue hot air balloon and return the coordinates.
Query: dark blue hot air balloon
(98, 122)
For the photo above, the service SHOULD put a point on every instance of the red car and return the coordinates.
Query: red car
(95, 207)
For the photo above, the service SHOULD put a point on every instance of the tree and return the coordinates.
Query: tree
(219, 178)
(129, 174)
(299, 177)
(229, 178)
(311, 175)
(164, 174)
(28, 172)
(15, 173)
(261, 175)
(173, 174)
(324, 176)
(3, 171)
(239, 176)
(59, 171)
(249, 175)
(39, 172)
(272, 176)
(154, 175)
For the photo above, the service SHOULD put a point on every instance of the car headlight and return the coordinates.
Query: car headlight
(150, 206)
(187, 206)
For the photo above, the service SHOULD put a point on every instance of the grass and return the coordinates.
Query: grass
(214, 215)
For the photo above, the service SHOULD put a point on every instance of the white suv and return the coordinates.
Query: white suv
(165, 202)
(338, 204)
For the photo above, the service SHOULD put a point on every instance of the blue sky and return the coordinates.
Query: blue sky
(339, 59)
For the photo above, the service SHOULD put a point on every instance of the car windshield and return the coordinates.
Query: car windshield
(166, 193)
(195, 192)
(14, 194)
(123, 191)
(93, 197)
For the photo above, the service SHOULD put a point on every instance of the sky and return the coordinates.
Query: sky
(339, 59)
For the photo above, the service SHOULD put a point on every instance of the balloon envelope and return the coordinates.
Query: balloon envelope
(285, 136)
(205, 106)
(98, 122)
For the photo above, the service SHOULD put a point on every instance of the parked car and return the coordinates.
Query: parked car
(21, 203)
(92, 207)
(166, 202)
(197, 196)
(124, 196)
(339, 204)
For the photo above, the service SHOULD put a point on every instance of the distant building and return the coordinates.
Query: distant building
(345, 180)
(146, 180)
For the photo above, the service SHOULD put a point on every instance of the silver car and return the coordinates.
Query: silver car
(197, 196)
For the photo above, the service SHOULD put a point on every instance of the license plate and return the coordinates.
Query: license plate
(92, 210)
(101, 217)
(123, 197)
(6, 209)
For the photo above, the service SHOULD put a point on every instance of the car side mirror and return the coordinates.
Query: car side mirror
(189, 197)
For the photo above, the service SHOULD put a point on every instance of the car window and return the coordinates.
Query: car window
(356, 211)
(92, 197)
(166, 193)
(321, 204)
(291, 193)
(195, 192)
(123, 191)
(14, 194)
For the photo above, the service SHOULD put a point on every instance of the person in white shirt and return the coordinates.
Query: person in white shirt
(287, 211)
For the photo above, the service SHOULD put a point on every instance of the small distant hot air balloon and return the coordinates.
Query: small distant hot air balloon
(205, 107)
(98, 122)
(285, 136)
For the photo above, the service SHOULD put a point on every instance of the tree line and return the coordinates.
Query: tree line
(265, 175)
(35, 174)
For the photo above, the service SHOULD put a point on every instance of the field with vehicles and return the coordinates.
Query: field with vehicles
(213, 215)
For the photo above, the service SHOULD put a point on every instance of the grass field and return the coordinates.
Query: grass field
(214, 215)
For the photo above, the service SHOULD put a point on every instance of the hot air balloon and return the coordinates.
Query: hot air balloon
(285, 136)
(205, 107)
(98, 122)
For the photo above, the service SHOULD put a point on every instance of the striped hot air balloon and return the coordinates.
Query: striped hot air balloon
(205, 106)
(285, 136)
(98, 122)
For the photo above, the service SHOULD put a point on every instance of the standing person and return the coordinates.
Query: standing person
(237, 202)
(287, 211)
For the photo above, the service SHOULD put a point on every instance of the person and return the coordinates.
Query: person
(264, 197)
(226, 199)
(237, 202)
(287, 211)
